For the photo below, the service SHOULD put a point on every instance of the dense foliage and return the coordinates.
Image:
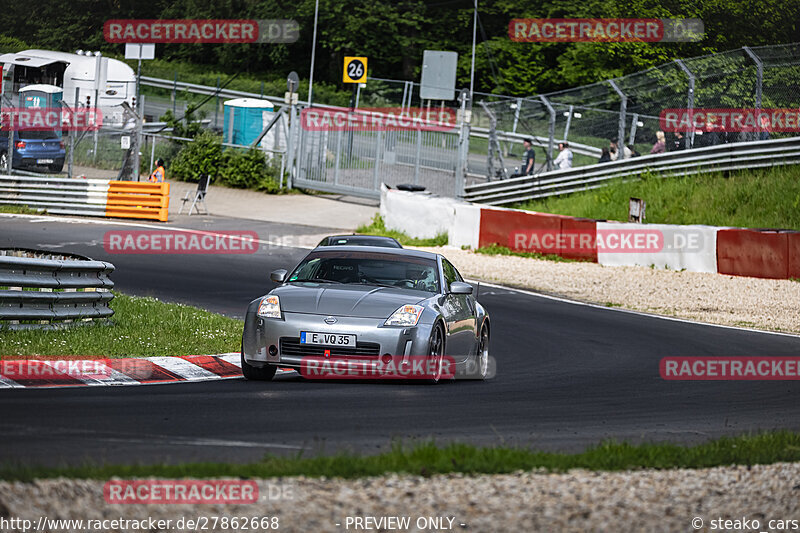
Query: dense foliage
(394, 33)
(239, 168)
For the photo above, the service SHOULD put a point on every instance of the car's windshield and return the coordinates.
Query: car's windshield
(407, 272)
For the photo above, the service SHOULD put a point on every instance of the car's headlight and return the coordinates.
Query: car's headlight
(407, 315)
(270, 307)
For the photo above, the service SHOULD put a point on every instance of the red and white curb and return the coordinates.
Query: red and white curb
(36, 373)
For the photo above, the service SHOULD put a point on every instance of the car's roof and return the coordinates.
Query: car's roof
(372, 249)
(360, 238)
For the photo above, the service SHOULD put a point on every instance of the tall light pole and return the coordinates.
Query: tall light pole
(472, 67)
(313, 52)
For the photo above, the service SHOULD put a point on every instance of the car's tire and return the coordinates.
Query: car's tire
(255, 373)
(482, 357)
(56, 168)
(436, 347)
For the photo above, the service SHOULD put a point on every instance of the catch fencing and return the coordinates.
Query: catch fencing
(42, 290)
(736, 156)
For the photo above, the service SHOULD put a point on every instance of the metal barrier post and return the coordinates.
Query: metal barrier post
(419, 154)
(378, 145)
(632, 137)
(569, 121)
(621, 128)
(338, 158)
(551, 131)
(516, 115)
(10, 152)
(759, 80)
(689, 100)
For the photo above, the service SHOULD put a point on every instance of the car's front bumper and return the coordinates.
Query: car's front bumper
(262, 338)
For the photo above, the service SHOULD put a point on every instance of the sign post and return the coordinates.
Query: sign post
(139, 51)
(355, 72)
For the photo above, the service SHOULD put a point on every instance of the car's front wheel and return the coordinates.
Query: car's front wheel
(436, 353)
(255, 373)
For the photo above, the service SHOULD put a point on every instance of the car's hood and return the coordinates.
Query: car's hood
(363, 301)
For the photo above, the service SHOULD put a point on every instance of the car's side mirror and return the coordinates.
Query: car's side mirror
(278, 276)
(459, 287)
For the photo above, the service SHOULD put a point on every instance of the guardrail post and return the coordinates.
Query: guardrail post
(623, 105)
(689, 100)
(551, 132)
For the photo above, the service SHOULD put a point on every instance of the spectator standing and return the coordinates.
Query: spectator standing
(661, 143)
(528, 160)
(564, 158)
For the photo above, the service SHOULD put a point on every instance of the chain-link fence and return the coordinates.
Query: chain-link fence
(629, 108)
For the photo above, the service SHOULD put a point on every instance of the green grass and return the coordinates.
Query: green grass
(767, 198)
(18, 210)
(496, 249)
(378, 227)
(429, 459)
(142, 327)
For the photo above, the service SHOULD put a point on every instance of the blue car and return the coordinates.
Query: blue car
(34, 150)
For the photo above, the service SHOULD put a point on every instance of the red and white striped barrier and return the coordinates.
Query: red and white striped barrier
(49, 373)
(734, 251)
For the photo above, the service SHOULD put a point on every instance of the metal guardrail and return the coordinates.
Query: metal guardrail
(734, 156)
(56, 195)
(207, 90)
(88, 197)
(42, 293)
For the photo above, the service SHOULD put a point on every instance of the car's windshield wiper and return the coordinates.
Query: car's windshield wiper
(316, 280)
(378, 284)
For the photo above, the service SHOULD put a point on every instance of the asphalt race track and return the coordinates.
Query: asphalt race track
(567, 376)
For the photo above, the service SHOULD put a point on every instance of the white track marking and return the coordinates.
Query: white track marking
(183, 368)
(6, 383)
(39, 218)
(631, 311)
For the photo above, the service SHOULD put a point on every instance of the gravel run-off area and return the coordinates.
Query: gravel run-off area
(770, 304)
(578, 500)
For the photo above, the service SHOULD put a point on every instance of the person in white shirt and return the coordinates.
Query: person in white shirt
(564, 159)
(614, 149)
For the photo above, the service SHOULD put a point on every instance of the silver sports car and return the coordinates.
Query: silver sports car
(362, 303)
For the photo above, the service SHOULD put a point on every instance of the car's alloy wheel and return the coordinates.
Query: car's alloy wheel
(483, 354)
(436, 352)
(3, 161)
(255, 373)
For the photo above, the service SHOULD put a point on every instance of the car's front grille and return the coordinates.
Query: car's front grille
(291, 347)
